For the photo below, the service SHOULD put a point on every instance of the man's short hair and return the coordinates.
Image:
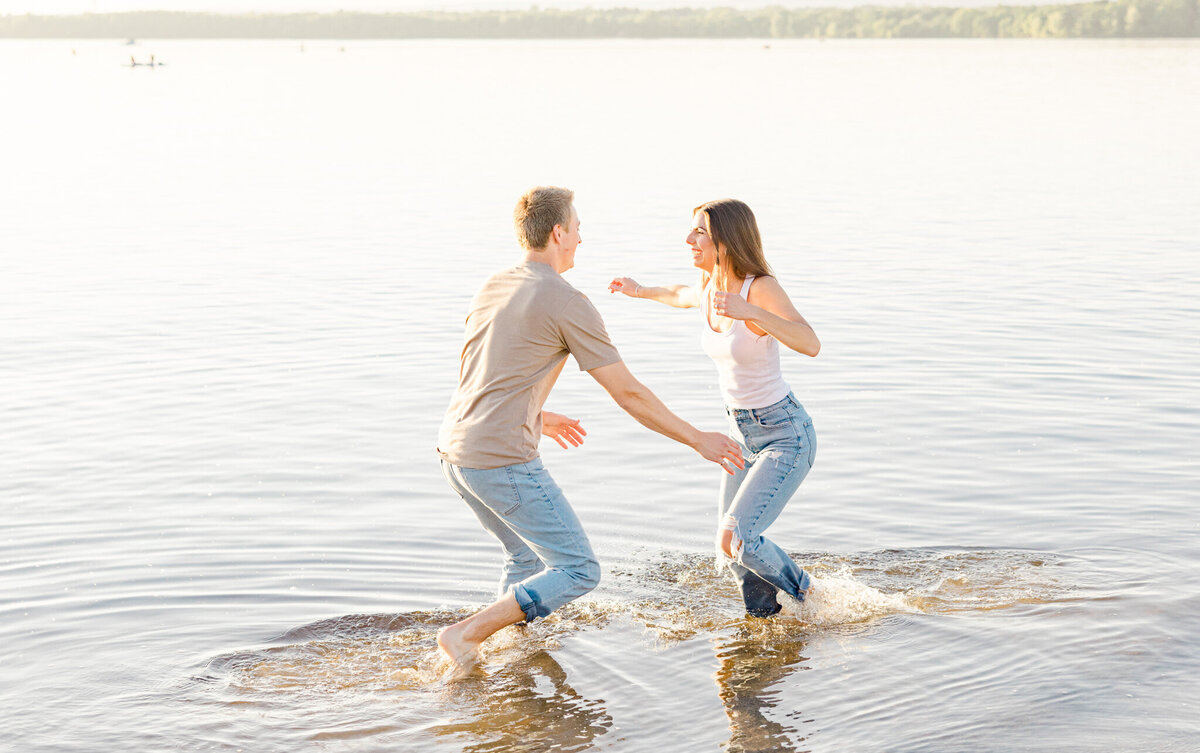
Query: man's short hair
(538, 211)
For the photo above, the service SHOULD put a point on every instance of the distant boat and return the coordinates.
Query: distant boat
(133, 63)
(130, 41)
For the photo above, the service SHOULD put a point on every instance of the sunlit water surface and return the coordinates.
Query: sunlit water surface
(232, 292)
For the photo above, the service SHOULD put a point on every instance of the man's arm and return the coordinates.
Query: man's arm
(638, 401)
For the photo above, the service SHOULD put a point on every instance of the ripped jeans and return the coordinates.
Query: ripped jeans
(779, 445)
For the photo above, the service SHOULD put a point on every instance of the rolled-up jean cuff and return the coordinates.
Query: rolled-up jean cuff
(805, 584)
(529, 603)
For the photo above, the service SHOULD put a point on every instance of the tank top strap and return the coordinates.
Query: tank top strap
(746, 285)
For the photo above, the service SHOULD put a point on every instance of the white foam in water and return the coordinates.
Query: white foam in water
(839, 599)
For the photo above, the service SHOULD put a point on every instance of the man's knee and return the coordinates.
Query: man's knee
(587, 576)
(524, 561)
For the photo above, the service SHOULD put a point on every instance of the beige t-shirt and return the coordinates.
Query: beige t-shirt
(521, 326)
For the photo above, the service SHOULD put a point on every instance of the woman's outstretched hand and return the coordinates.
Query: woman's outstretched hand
(733, 306)
(562, 429)
(626, 285)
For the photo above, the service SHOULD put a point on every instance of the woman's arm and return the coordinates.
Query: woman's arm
(679, 296)
(773, 313)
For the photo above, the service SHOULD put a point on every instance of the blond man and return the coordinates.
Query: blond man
(521, 326)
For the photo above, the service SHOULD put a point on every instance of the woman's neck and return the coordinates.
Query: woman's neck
(725, 280)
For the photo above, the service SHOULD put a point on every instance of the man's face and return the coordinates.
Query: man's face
(570, 241)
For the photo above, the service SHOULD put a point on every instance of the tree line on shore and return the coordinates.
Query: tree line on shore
(1116, 18)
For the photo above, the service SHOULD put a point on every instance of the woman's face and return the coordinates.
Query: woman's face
(704, 251)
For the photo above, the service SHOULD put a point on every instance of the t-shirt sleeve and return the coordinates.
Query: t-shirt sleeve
(584, 334)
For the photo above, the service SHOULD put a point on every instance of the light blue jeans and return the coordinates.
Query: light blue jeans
(779, 445)
(548, 560)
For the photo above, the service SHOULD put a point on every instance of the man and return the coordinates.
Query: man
(522, 324)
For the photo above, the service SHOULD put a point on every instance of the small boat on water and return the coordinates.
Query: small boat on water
(133, 63)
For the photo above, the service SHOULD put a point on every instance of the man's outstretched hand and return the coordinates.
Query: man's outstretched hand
(562, 429)
(720, 449)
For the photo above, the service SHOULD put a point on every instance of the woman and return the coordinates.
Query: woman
(747, 315)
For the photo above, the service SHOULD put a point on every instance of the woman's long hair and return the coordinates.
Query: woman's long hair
(731, 225)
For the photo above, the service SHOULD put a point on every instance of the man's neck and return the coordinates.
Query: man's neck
(547, 257)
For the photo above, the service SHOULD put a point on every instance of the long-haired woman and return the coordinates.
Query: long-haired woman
(747, 315)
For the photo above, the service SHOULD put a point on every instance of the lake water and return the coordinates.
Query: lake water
(231, 297)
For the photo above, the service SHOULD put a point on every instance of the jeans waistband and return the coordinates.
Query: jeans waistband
(755, 413)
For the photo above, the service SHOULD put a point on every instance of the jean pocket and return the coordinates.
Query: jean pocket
(512, 498)
(495, 487)
(776, 418)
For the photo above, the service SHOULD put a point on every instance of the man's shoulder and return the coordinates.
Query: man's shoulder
(565, 292)
(505, 276)
(503, 284)
(548, 286)
(538, 275)
(531, 292)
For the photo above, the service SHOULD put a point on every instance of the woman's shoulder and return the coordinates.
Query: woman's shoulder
(765, 285)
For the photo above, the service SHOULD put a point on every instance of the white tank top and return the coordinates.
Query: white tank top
(747, 364)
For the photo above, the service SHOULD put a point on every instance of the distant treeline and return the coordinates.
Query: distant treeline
(1121, 18)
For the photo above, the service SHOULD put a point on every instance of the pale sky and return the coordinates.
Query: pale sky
(50, 7)
(55, 7)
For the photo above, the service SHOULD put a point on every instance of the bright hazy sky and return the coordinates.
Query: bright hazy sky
(50, 7)
(53, 7)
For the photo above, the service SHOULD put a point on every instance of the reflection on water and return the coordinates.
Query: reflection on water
(521, 698)
(525, 705)
(753, 662)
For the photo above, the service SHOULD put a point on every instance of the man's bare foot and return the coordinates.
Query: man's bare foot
(463, 654)
(460, 642)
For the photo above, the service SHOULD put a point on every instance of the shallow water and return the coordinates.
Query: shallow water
(231, 301)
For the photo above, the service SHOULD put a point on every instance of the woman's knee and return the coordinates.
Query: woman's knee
(741, 550)
(730, 538)
(726, 544)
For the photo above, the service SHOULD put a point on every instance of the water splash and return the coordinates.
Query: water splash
(673, 599)
(942, 579)
(840, 599)
(376, 653)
